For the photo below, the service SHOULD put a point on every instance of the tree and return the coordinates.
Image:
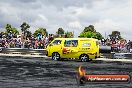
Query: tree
(60, 31)
(42, 31)
(90, 32)
(115, 35)
(10, 29)
(24, 27)
(68, 34)
(89, 28)
(98, 36)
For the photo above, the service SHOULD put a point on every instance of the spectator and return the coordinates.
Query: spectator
(46, 41)
(39, 37)
(103, 41)
(11, 44)
(18, 44)
(33, 42)
(26, 44)
(3, 43)
(36, 44)
(12, 40)
(6, 45)
(14, 35)
(0, 42)
(10, 35)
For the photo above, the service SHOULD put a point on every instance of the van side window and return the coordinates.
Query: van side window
(86, 44)
(71, 43)
(57, 42)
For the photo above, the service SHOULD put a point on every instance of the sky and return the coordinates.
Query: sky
(71, 15)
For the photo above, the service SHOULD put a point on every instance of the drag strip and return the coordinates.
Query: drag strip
(45, 73)
(45, 57)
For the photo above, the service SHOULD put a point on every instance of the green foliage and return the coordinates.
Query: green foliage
(116, 34)
(60, 31)
(68, 34)
(8, 28)
(98, 36)
(42, 31)
(90, 32)
(82, 34)
(24, 27)
(89, 28)
(11, 29)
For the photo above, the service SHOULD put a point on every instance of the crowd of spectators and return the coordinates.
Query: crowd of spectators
(117, 45)
(11, 40)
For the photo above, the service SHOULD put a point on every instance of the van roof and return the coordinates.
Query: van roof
(75, 38)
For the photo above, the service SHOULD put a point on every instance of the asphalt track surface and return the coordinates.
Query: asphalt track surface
(45, 73)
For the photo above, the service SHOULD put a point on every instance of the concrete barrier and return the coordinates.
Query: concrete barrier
(122, 55)
(23, 51)
(26, 51)
(114, 55)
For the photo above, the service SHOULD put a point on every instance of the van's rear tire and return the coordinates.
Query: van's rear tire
(84, 58)
(55, 56)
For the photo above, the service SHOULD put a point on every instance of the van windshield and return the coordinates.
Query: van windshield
(56, 42)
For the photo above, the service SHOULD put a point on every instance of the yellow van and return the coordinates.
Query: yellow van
(84, 49)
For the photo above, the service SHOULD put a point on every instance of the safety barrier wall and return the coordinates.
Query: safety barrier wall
(23, 51)
(105, 52)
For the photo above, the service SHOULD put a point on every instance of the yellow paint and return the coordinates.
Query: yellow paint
(87, 46)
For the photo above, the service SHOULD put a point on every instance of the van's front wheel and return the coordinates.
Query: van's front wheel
(55, 56)
(84, 58)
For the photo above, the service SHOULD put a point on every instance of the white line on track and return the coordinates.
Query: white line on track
(43, 56)
(121, 60)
